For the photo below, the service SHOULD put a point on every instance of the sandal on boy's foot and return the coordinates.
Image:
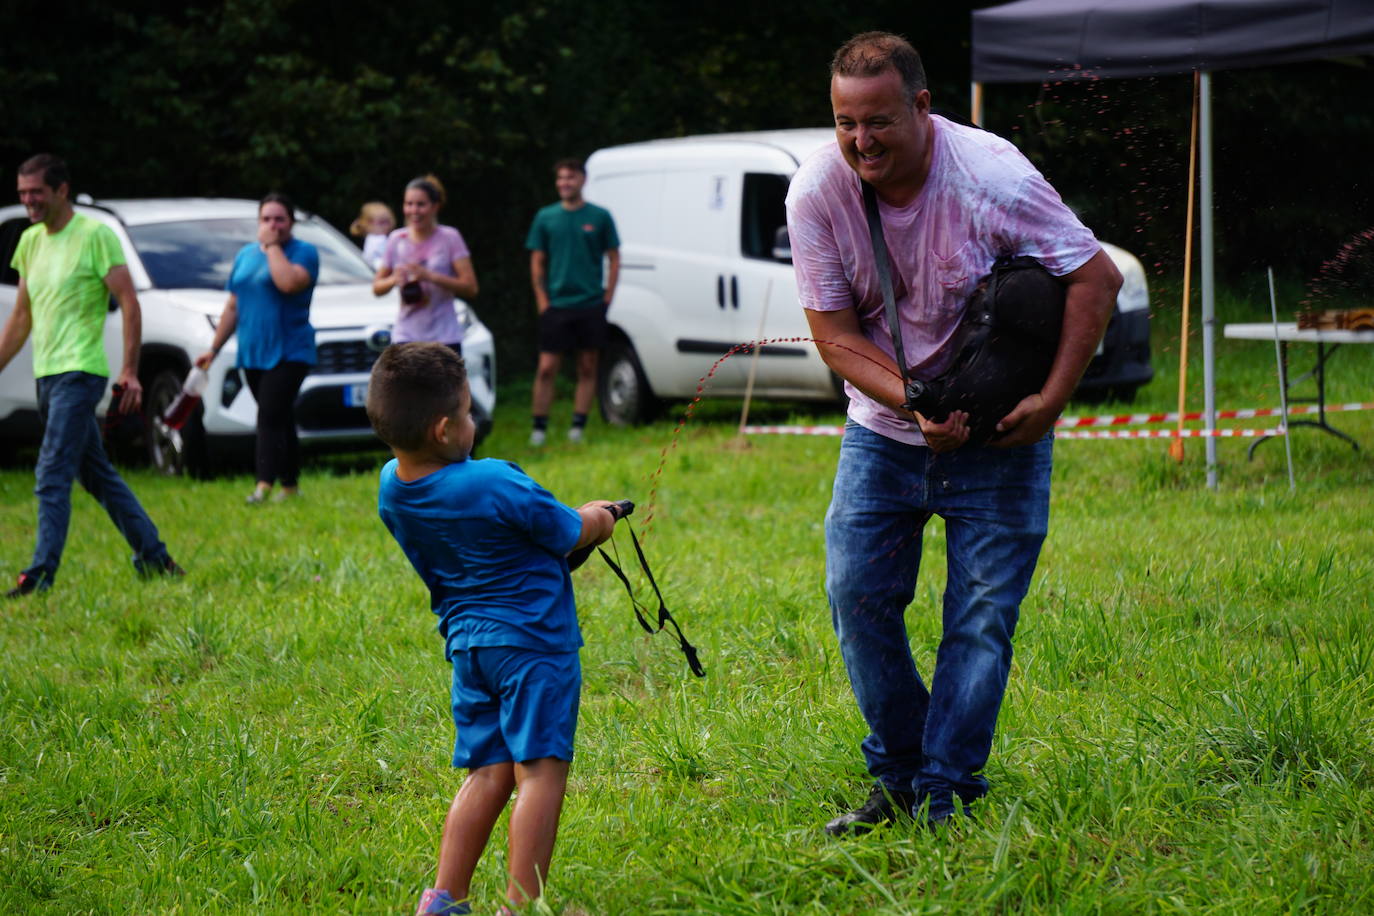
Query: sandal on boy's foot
(257, 496)
(434, 902)
(883, 806)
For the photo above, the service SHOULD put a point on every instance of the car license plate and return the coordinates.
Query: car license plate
(355, 395)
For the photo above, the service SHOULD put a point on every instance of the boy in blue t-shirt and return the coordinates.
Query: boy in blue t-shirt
(492, 546)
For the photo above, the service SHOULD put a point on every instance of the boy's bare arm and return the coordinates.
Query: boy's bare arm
(598, 523)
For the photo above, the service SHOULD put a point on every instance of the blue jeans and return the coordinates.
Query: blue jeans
(71, 448)
(995, 504)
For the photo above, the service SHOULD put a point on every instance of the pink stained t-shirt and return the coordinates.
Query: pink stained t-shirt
(982, 200)
(435, 321)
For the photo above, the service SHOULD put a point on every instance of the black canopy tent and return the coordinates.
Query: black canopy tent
(1027, 40)
(1038, 40)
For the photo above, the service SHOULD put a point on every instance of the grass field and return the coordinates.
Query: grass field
(1189, 726)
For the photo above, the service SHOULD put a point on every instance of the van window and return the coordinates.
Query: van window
(763, 213)
(10, 231)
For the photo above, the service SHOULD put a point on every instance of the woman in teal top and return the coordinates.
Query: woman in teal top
(270, 287)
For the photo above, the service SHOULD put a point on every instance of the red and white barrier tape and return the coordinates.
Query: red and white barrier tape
(1169, 433)
(1079, 427)
(1136, 419)
(1064, 434)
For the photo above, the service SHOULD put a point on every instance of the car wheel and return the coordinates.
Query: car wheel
(170, 451)
(624, 392)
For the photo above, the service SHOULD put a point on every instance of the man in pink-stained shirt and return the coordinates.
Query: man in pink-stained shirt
(952, 200)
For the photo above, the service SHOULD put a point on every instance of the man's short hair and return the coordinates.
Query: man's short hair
(55, 173)
(872, 53)
(412, 386)
(570, 163)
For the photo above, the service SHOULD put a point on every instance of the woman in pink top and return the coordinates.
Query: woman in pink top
(430, 264)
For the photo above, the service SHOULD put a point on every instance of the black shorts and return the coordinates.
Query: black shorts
(566, 329)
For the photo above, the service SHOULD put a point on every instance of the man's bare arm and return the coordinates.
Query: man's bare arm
(17, 328)
(855, 358)
(121, 286)
(612, 273)
(539, 264)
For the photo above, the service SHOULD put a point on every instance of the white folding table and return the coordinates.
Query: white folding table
(1327, 341)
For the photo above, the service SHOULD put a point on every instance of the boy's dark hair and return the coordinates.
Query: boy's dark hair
(412, 385)
(570, 163)
(872, 53)
(54, 170)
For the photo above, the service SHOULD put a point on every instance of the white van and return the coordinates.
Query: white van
(705, 266)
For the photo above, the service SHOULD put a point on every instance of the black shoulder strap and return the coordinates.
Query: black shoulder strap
(880, 259)
(664, 615)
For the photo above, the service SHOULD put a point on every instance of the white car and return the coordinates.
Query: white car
(705, 265)
(179, 253)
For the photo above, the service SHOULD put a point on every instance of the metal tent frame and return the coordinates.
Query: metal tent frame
(1032, 40)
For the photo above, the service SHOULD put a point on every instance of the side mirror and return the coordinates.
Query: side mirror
(782, 245)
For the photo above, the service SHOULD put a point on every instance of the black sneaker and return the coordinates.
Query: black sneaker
(167, 567)
(24, 585)
(884, 806)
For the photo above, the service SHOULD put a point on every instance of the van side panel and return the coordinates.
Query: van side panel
(633, 196)
(689, 292)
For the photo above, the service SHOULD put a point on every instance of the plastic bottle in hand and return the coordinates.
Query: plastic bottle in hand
(180, 410)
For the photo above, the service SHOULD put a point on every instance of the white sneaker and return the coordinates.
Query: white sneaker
(537, 437)
(574, 434)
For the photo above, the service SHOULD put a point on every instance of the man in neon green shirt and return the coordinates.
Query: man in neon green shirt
(69, 265)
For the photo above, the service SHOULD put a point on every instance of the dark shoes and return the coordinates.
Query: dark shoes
(166, 567)
(884, 806)
(147, 569)
(25, 585)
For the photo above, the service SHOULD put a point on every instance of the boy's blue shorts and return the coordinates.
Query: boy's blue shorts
(513, 704)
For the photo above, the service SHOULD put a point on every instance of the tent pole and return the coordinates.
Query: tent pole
(1176, 444)
(1209, 301)
(976, 103)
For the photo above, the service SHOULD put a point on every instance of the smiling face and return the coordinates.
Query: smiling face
(42, 203)
(420, 211)
(569, 184)
(885, 139)
(380, 223)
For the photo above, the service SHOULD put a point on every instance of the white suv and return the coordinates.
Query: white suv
(179, 253)
(705, 265)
